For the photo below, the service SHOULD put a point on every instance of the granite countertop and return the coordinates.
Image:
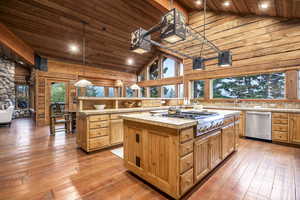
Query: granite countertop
(121, 110)
(176, 123)
(171, 122)
(286, 110)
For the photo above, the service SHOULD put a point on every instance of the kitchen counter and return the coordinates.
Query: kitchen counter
(284, 110)
(171, 122)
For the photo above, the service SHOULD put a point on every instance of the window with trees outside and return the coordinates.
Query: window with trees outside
(58, 92)
(143, 92)
(168, 67)
(22, 96)
(198, 88)
(263, 86)
(129, 92)
(169, 91)
(154, 91)
(154, 71)
(95, 91)
(111, 92)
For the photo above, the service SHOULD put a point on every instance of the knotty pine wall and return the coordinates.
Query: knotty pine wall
(70, 74)
(259, 45)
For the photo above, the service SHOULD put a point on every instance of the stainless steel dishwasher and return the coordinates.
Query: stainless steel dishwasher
(259, 125)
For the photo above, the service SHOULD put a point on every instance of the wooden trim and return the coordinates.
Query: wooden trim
(160, 82)
(17, 45)
(164, 6)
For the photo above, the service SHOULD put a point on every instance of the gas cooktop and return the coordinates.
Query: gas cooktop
(206, 121)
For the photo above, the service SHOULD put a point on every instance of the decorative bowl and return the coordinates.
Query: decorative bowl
(99, 107)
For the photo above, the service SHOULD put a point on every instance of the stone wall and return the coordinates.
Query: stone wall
(7, 81)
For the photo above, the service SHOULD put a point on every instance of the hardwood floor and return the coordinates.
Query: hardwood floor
(35, 165)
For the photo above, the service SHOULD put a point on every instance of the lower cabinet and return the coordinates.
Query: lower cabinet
(228, 140)
(294, 128)
(116, 131)
(207, 154)
(201, 158)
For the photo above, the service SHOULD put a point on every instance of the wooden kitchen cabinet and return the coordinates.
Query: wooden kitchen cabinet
(116, 131)
(294, 128)
(201, 158)
(280, 127)
(228, 140)
(215, 149)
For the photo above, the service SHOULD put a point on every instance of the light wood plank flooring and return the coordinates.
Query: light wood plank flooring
(34, 165)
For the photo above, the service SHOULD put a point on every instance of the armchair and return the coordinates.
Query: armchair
(6, 115)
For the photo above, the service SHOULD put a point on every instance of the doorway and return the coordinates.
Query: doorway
(58, 92)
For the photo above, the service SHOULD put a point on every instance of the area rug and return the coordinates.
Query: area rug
(118, 152)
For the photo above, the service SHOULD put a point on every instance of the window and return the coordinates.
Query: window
(22, 96)
(169, 91)
(168, 67)
(154, 91)
(143, 92)
(180, 91)
(111, 92)
(264, 86)
(181, 69)
(198, 89)
(58, 92)
(95, 91)
(154, 71)
(129, 92)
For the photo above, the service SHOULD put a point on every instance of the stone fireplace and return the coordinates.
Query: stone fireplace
(7, 81)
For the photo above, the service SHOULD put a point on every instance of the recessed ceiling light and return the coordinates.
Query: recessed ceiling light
(198, 2)
(226, 3)
(130, 61)
(264, 5)
(73, 48)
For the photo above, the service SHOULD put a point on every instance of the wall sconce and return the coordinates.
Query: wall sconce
(82, 84)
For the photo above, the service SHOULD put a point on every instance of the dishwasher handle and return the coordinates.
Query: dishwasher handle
(259, 113)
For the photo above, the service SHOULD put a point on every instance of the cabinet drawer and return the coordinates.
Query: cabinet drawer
(98, 132)
(186, 181)
(279, 136)
(186, 148)
(280, 115)
(98, 142)
(279, 121)
(279, 127)
(186, 134)
(186, 163)
(101, 124)
(116, 116)
(96, 118)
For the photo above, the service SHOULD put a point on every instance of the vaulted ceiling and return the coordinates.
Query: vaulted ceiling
(279, 8)
(50, 26)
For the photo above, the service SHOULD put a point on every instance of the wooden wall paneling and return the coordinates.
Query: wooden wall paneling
(292, 84)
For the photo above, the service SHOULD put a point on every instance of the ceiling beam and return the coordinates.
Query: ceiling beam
(165, 5)
(18, 46)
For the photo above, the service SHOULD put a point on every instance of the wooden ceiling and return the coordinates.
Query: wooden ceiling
(50, 26)
(278, 8)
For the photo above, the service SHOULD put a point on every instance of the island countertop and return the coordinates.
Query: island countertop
(171, 122)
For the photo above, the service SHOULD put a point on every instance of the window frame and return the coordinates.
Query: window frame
(249, 99)
(163, 92)
(193, 89)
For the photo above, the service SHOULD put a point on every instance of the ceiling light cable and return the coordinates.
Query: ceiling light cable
(204, 29)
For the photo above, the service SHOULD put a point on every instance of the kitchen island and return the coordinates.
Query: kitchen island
(167, 152)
